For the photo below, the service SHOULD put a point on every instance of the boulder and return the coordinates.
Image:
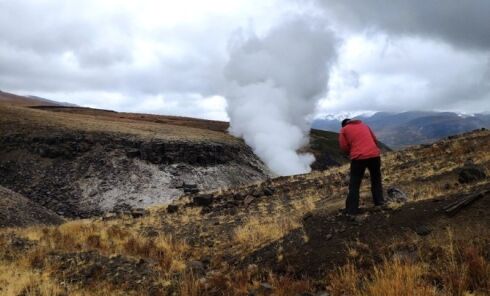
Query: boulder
(172, 209)
(268, 191)
(132, 153)
(422, 230)
(396, 195)
(138, 213)
(190, 188)
(203, 200)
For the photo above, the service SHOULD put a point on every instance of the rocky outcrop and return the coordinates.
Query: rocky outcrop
(82, 174)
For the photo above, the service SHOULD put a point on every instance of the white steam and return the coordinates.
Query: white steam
(273, 85)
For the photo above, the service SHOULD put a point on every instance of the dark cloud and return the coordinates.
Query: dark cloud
(462, 23)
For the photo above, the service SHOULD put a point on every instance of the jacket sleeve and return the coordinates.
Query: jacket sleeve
(374, 137)
(344, 144)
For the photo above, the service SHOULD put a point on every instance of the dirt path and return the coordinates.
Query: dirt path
(324, 240)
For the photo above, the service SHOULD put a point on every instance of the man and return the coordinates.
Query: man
(357, 140)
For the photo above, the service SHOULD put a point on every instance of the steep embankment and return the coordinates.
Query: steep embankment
(81, 163)
(16, 210)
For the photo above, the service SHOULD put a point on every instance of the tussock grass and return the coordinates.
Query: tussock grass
(259, 230)
(16, 281)
(109, 238)
(442, 267)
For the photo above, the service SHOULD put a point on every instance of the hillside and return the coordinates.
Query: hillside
(398, 130)
(283, 236)
(28, 101)
(81, 162)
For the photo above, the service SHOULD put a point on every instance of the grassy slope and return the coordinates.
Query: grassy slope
(15, 118)
(323, 144)
(237, 232)
(23, 120)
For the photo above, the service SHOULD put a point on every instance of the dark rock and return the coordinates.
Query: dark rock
(470, 174)
(396, 195)
(122, 208)
(422, 230)
(133, 153)
(307, 216)
(257, 193)
(203, 200)
(188, 188)
(138, 213)
(172, 209)
(109, 216)
(268, 191)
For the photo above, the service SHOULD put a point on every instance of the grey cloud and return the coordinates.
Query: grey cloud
(60, 46)
(462, 23)
(410, 74)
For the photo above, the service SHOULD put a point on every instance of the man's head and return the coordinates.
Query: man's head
(345, 122)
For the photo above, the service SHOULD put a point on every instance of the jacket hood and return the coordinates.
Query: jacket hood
(354, 121)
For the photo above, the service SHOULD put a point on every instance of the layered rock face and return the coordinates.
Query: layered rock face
(81, 174)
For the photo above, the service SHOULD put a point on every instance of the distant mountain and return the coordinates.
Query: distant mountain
(398, 130)
(51, 102)
(30, 100)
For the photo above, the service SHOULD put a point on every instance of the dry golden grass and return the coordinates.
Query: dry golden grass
(456, 269)
(16, 281)
(444, 266)
(262, 229)
(390, 279)
(40, 119)
(259, 231)
(108, 238)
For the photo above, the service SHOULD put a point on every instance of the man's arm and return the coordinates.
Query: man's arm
(344, 144)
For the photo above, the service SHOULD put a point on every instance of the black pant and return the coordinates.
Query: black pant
(357, 169)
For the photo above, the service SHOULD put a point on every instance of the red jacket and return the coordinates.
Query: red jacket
(357, 139)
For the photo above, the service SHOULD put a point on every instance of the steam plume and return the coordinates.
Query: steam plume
(273, 85)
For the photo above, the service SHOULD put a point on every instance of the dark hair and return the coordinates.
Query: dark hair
(345, 122)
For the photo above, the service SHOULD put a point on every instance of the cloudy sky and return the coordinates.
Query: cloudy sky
(168, 57)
